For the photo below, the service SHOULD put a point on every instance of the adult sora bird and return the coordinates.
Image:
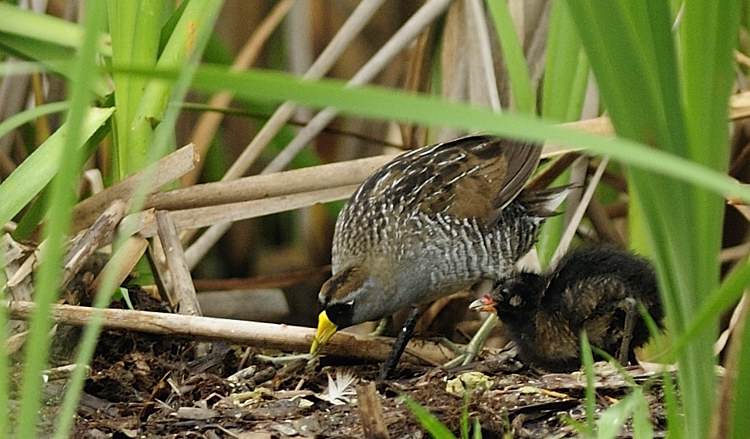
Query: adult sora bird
(431, 222)
(593, 288)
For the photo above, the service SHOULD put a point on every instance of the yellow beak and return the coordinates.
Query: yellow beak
(325, 331)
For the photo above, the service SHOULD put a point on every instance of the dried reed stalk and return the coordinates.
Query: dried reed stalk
(270, 185)
(145, 222)
(261, 335)
(182, 289)
(169, 168)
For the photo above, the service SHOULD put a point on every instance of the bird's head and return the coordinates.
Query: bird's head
(347, 299)
(512, 297)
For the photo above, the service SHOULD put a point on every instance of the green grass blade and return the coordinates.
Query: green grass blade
(27, 116)
(476, 429)
(25, 23)
(4, 364)
(631, 48)
(377, 102)
(135, 28)
(161, 141)
(33, 174)
(588, 367)
(429, 422)
(180, 48)
(62, 200)
(739, 420)
(642, 428)
(611, 421)
(518, 70)
(566, 68)
(715, 304)
(566, 74)
(465, 416)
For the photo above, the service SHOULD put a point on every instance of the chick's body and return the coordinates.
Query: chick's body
(431, 222)
(591, 289)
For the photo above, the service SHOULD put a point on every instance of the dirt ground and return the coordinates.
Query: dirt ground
(151, 386)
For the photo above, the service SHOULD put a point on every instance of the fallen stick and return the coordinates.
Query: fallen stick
(199, 217)
(371, 412)
(97, 236)
(277, 280)
(257, 187)
(169, 168)
(182, 289)
(124, 260)
(261, 335)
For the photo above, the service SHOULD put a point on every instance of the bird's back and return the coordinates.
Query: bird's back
(459, 185)
(589, 277)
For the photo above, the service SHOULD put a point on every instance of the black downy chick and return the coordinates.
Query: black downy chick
(595, 289)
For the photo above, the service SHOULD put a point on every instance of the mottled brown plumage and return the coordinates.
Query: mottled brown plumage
(595, 289)
(431, 222)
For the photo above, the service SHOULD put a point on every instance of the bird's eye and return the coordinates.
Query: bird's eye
(515, 300)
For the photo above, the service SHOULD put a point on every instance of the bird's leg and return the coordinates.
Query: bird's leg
(628, 305)
(476, 343)
(380, 329)
(399, 345)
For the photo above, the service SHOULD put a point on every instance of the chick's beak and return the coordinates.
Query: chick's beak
(326, 329)
(485, 304)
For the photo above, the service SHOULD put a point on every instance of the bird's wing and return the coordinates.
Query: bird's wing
(475, 176)
(470, 177)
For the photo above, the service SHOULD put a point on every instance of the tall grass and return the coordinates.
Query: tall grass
(61, 203)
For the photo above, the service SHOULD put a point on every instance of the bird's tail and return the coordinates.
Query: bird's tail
(544, 203)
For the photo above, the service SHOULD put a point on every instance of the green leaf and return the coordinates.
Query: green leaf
(27, 116)
(715, 304)
(632, 53)
(33, 174)
(588, 367)
(476, 429)
(642, 428)
(429, 422)
(739, 421)
(134, 26)
(25, 23)
(611, 421)
(4, 363)
(566, 68)
(515, 62)
(188, 38)
(68, 156)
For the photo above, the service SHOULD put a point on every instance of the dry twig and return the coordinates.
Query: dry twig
(262, 335)
(182, 290)
(371, 412)
(95, 237)
(169, 168)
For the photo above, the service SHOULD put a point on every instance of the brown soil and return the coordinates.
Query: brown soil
(151, 386)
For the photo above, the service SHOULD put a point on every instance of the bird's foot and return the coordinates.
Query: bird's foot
(380, 329)
(475, 345)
